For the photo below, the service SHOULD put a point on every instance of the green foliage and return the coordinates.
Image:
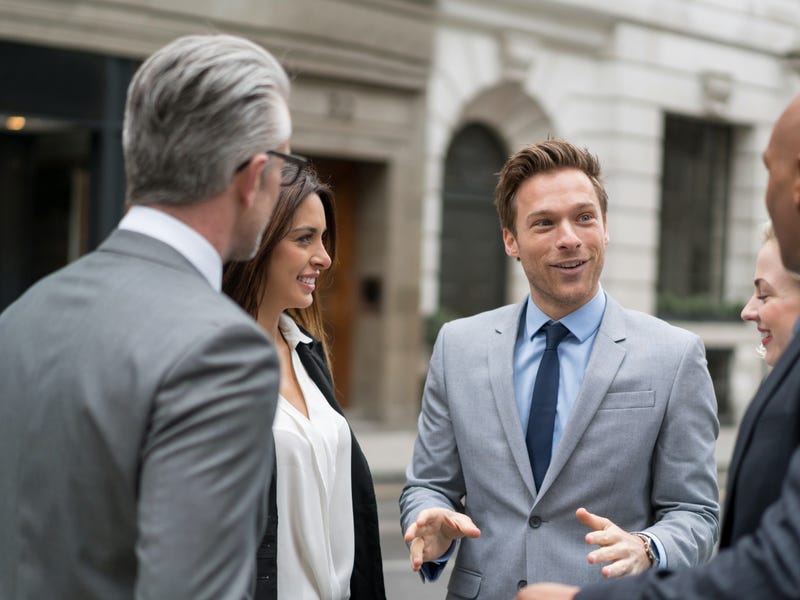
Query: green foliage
(697, 308)
(434, 322)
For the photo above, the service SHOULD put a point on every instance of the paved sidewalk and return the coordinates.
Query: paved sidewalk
(388, 451)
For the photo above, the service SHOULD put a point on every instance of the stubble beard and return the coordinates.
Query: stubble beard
(244, 252)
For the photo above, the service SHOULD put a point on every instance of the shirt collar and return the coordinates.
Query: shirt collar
(188, 242)
(582, 323)
(291, 332)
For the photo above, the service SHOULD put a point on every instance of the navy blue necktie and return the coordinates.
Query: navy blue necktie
(539, 437)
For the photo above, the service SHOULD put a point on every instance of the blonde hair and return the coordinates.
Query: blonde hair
(768, 235)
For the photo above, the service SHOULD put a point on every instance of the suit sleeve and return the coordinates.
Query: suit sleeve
(762, 566)
(206, 462)
(685, 492)
(433, 477)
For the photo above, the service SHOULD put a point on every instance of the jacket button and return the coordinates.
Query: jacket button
(535, 522)
(521, 584)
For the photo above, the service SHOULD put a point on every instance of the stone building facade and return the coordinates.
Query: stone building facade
(359, 69)
(409, 107)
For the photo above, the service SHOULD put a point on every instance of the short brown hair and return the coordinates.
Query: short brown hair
(543, 157)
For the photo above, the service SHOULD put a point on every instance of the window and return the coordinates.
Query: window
(694, 210)
(719, 363)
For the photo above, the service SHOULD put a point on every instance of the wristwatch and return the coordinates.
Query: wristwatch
(648, 548)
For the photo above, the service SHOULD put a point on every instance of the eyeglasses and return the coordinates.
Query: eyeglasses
(293, 165)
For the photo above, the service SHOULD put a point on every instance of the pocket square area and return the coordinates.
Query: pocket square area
(617, 400)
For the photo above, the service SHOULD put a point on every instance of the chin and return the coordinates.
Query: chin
(771, 358)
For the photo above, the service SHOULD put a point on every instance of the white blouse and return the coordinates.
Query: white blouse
(316, 543)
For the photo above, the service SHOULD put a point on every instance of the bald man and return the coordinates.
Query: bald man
(760, 539)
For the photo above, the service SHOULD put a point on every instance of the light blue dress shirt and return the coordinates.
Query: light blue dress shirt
(573, 356)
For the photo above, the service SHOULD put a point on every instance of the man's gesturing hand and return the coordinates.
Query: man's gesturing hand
(625, 551)
(434, 530)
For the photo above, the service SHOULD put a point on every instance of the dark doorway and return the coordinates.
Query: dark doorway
(61, 171)
(44, 203)
(340, 299)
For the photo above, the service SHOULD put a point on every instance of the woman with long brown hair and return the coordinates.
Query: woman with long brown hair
(322, 537)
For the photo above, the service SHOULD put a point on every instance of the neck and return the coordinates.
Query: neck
(211, 218)
(268, 319)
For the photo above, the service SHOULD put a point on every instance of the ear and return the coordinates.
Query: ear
(510, 243)
(605, 230)
(796, 184)
(247, 182)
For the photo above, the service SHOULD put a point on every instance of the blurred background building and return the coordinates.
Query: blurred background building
(410, 107)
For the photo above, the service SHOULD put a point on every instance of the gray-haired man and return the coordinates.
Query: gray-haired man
(137, 401)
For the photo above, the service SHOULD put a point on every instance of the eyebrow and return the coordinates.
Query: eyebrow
(760, 283)
(305, 228)
(577, 208)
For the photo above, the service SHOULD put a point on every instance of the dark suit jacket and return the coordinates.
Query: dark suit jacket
(760, 542)
(366, 582)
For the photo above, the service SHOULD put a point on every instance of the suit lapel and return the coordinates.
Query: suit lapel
(760, 400)
(501, 378)
(604, 362)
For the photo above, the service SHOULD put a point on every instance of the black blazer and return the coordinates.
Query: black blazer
(760, 542)
(366, 582)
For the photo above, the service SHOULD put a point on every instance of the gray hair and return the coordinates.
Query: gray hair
(196, 109)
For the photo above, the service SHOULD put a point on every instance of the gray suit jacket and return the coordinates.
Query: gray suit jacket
(638, 449)
(135, 432)
(761, 528)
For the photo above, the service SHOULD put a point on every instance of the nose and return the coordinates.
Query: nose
(321, 259)
(567, 238)
(749, 312)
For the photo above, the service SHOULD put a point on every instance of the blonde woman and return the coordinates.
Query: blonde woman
(775, 304)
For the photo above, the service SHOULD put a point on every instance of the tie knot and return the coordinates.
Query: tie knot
(555, 333)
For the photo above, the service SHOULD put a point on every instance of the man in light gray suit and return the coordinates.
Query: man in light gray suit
(760, 541)
(137, 402)
(517, 433)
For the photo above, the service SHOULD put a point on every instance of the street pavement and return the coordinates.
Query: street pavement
(401, 582)
(388, 453)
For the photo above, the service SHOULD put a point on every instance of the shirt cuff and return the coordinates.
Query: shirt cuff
(430, 571)
(658, 549)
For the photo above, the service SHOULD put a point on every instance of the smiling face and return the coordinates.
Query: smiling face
(298, 259)
(560, 239)
(775, 304)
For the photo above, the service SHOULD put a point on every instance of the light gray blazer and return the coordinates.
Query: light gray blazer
(135, 432)
(638, 449)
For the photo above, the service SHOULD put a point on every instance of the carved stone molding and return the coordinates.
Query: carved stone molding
(716, 89)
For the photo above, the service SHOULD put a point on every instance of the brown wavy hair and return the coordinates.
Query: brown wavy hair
(245, 281)
(543, 157)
